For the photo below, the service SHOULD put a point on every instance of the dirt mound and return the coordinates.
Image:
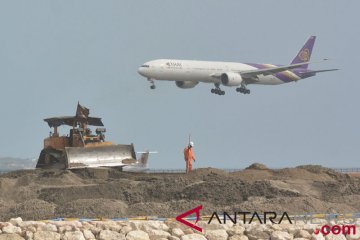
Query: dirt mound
(319, 170)
(32, 209)
(93, 208)
(354, 175)
(43, 194)
(257, 166)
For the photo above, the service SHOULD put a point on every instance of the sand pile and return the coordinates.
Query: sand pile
(110, 193)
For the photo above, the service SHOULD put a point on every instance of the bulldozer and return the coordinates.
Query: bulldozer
(82, 148)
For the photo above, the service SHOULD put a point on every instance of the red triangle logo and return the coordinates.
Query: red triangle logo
(181, 217)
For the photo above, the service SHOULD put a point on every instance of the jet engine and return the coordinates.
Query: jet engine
(186, 84)
(231, 79)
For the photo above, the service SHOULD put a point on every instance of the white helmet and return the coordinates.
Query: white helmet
(191, 144)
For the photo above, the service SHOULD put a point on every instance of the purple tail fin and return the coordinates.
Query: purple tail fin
(305, 52)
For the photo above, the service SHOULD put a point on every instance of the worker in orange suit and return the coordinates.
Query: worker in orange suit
(189, 156)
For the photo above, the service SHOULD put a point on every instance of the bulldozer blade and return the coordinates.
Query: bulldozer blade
(51, 159)
(104, 156)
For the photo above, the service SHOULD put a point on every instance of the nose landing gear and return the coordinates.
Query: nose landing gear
(152, 86)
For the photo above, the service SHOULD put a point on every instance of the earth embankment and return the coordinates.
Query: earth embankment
(110, 193)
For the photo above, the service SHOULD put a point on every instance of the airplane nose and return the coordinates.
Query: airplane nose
(141, 71)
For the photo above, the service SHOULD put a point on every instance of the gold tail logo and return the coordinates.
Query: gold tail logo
(304, 55)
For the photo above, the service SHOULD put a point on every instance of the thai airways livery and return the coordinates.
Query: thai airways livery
(188, 73)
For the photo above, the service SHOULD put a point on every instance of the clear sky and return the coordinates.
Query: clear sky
(56, 53)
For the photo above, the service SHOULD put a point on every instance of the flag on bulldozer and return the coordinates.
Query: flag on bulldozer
(82, 112)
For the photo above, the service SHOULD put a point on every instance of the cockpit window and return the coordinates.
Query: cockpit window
(145, 66)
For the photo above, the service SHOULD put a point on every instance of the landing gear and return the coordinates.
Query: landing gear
(217, 90)
(243, 90)
(152, 86)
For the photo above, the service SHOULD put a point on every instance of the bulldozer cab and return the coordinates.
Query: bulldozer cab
(80, 134)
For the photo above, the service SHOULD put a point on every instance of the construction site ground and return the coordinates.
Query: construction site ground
(110, 193)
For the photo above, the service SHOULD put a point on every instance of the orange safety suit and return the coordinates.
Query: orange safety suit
(189, 157)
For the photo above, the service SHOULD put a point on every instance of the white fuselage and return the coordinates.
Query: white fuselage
(199, 71)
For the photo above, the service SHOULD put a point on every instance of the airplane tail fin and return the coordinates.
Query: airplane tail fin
(305, 52)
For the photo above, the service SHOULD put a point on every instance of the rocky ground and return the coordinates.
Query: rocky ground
(16, 229)
(110, 193)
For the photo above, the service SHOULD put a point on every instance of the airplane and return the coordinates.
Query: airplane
(188, 73)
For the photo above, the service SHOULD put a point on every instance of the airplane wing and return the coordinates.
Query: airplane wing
(318, 71)
(251, 75)
(270, 70)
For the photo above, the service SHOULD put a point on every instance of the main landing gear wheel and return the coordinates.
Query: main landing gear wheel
(217, 90)
(152, 86)
(243, 90)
